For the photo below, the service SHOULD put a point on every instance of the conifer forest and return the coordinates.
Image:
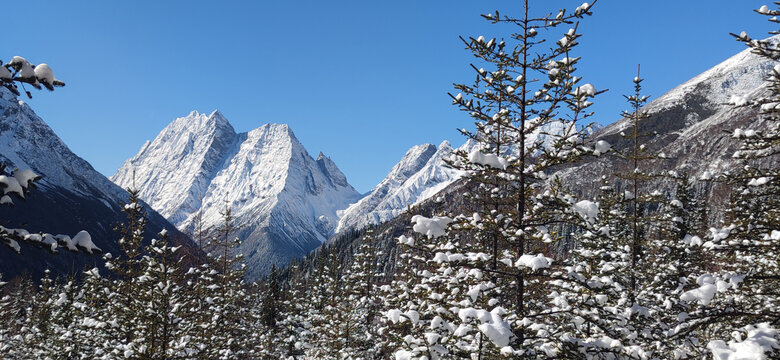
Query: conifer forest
(519, 258)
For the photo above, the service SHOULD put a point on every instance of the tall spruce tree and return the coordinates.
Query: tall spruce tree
(322, 312)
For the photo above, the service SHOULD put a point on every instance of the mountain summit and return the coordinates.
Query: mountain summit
(284, 202)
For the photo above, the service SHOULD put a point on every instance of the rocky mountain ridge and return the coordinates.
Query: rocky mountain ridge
(284, 202)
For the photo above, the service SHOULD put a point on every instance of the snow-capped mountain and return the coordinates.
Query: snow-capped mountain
(692, 122)
(420, 174)
(284, 201)
(71, 195)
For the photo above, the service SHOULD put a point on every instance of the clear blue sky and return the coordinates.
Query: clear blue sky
(361, 81)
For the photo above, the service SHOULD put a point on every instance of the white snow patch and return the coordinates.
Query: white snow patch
(534, 262)
(602, 147)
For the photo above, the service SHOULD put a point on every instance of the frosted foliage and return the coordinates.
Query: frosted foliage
(11, 186)
(25, 176)
(44, 73)
(84, 240)
(27, 70)
(403, 355)
(534, 262)
(5, 74)
(602, 147)
(703, 294)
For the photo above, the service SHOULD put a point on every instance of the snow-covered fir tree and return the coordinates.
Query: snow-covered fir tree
(227, 306)
(483, 287)
(360, 303)
(294, 334)
(323, 314)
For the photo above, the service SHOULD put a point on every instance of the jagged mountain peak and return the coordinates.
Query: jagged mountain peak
(186, 153)
(284, 201)
(197, 122)
(414, 159)
(420, 174)
(273, 132)
(329, 167)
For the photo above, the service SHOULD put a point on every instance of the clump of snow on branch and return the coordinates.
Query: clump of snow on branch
(22, 71)
(534, 262)
(601, 147)
(587, 209)
(476, 156)
(761, 339)
(430, 227)
(709, 285)
(84, 240)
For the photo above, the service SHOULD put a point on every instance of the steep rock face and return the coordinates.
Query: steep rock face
(71, 196)
(284, 202)
(419, 175)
